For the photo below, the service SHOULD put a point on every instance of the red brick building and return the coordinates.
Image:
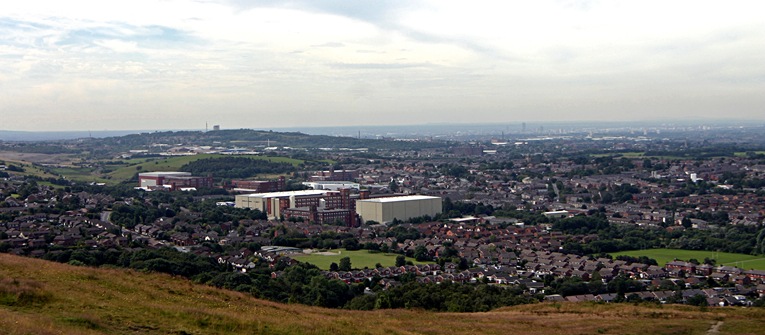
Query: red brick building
(172, 180)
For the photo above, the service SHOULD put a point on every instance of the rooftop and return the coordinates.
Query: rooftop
(164, 174)
(401, 198)
(287, 194)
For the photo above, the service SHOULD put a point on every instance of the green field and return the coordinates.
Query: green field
(743, 153)
(637, 154)
(723, 258)
(174, 164)
(359, 259)
(127, 168)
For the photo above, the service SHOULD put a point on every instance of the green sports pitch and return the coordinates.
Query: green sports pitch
(359, 258)
(662, 256)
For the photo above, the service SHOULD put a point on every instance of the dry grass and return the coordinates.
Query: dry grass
(77, 300)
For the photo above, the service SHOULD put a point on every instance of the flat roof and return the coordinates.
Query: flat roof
(329, 182)
(401, 198)
(286, 194)
(163, 173)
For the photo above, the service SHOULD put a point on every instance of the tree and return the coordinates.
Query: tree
(345, 264)
(400, 260)
(351, 244)
(333, 267)
(463, 264)
(698, 300)
(393, 186)
(421, 254)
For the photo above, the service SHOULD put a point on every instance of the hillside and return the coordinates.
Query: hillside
(42, 297)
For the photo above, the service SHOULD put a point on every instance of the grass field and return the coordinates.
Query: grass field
(128, 168)
(359, 259)
(124, 170)
(743, 153)
(30, 170)
(637, 154)
(41, 297)
(174, 164)
(723, 258)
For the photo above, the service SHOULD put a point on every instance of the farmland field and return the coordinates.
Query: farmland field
(723, 258)
(359, 258)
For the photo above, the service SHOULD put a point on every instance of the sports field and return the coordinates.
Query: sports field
(723, 258)
(359, 258)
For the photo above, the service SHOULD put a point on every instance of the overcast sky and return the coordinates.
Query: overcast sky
(174, 64)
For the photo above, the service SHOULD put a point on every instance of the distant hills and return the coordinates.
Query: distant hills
(459, 131)
(41, 297)
(7, 135)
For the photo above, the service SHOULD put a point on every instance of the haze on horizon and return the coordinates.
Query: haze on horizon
(175, 64)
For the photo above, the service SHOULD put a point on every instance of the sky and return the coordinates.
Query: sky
(179, 64)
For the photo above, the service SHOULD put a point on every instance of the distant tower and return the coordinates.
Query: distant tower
(216, 127)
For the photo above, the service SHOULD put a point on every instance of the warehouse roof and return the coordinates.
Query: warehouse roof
(401, 198)
(164, 174)
(286, 194)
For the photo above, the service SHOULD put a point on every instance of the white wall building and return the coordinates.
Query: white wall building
(384, 210)
(331, 185)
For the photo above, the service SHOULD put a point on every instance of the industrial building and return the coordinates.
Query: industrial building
(384, 210)
(319, 206)
(332, 185)
(335, 175)
(259, 186)
(172, 180)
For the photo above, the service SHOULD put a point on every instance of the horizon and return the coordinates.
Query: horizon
(84, 65)
(430, 129)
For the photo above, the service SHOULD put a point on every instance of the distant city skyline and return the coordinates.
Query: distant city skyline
(122, 65)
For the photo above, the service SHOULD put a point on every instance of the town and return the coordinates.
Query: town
(537, 214)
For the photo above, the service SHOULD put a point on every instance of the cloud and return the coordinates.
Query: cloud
(329, 45)
(277, 62)
(379, 66)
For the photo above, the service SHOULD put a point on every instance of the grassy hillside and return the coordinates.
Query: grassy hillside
(39, 297)
(662, 256)
(124, 170)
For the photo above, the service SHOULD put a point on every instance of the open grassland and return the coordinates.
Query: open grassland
(113, 172)
(359, 258)
(637, 154)
(81, 174)
(124, 170)
(29, 169)
(39, 297)
(38, 158)
(174, 163)
(744, 153)
(723, 258)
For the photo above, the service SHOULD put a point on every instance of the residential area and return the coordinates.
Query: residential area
(542, 215)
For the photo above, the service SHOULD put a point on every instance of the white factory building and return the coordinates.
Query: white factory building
(384, 210)
(272, 203)
(332, 185)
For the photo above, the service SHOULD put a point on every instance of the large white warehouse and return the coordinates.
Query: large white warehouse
(384, 210)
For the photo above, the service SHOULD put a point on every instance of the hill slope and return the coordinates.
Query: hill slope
(42, 297)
